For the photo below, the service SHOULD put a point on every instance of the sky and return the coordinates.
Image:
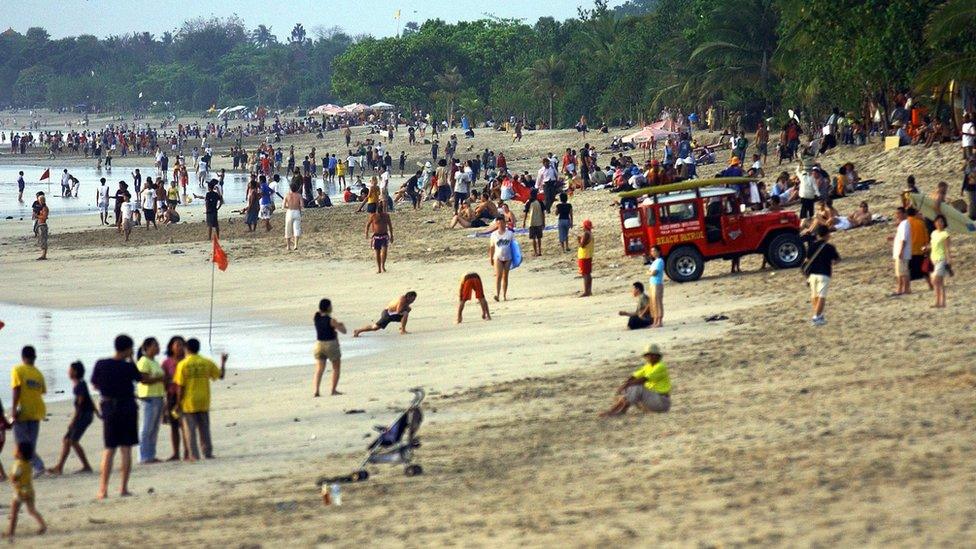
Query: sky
(115, 17)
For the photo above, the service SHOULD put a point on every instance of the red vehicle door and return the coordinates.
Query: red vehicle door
(732, 235)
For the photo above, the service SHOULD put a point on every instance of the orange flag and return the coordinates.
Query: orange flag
(46, 174)
(219, 257)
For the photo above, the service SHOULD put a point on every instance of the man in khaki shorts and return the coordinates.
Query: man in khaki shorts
(819, 269)
(901, 252)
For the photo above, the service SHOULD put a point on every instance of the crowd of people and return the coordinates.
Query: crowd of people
(173, 392)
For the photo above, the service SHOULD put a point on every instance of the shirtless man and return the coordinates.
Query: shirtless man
(861, 217)
(381, 227)
(397, 310)
(471, 287)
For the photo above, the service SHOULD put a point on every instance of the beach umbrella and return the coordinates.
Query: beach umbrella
(646, 135)
(327, 109)
(356, 107)
(228, 110)
(381, 106)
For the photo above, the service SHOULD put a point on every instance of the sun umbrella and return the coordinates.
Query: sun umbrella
(356, 107)
(228, 110)
(381, 106)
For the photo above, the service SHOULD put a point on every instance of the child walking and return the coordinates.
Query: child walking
(22, 479)
(84, 415)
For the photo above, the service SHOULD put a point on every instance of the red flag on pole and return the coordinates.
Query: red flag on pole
(46, 174)
(219, 257)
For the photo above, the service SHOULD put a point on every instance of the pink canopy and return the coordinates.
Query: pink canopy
(647, 134)
(356, 107)
(328, 110)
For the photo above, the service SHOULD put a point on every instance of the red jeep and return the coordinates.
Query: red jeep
(698, 225)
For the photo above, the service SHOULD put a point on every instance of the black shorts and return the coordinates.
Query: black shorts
(635, 322)
(535, 232)
(212, 220)
(120, 422)
(386, 317)
(77, 428)
(371, 208)
(150, 215)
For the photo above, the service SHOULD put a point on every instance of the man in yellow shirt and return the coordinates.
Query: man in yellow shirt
(28, 408)
(192, 378)
(648, 388)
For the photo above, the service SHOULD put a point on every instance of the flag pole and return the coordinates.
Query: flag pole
(213, 273)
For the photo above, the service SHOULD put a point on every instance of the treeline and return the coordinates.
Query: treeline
(752, 56)
(206, 62)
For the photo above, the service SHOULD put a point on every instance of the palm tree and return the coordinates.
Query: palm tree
(262, 37)
(548, 77)
(297, 34)
(739, 52)
(449, 87)
(950, 22)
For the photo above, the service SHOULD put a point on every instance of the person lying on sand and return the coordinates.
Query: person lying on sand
(648, 388)
(861, 217)
(398, 310)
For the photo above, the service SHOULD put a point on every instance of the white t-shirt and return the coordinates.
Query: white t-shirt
(462, 178)
(902, 247)
(503, 245)
(148, 199)
(968, 139)
(385, 182)
(102, 195)
(127, 210)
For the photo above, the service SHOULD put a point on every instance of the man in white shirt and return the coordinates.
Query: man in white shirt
(65, 184)
(101, 199)
(901, 252)
(968, 136)
(546, 181)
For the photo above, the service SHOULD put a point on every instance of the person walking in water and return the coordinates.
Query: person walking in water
(327, 330)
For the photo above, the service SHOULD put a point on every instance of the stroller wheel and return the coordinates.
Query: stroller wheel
(360, 475)
(413, 470)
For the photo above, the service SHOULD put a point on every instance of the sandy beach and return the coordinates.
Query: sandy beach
(858, 433)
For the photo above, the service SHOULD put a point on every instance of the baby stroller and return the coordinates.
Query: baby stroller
(395, 443)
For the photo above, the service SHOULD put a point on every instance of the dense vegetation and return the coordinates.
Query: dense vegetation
(606, 63)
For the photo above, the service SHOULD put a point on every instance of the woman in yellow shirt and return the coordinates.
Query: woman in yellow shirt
(941, 258)
(648, 388)
(152, 396)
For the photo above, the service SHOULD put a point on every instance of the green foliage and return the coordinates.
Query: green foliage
(610, 63)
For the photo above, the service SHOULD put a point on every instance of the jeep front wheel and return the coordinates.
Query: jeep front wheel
(684, 265)
(785, 251)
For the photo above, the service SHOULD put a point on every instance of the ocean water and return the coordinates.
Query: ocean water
(235, 184)
(62, 336)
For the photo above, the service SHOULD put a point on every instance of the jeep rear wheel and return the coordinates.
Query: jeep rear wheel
(785, 251)
(684, 265)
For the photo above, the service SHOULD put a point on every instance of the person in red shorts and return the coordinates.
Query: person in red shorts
(584, 257)
(471, 287)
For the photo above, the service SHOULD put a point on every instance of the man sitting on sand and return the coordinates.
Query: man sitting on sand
(471, 287)
(648, 388)
(642, 317)
(398, 310)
